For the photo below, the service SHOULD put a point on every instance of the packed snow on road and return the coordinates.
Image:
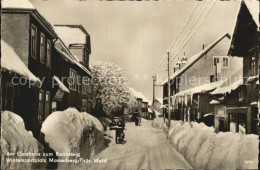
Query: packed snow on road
(145, 148)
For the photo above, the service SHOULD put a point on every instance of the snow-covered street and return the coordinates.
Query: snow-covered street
(146, 148)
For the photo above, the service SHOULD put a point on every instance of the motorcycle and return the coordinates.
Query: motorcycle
(118, 125)
(120, 136)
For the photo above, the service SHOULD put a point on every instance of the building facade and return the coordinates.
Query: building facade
(238, 110)
(31, 36)
(51, 69)
(74, 68)
(191, 84)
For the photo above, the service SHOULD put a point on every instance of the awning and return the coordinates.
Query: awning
(253, 103)
(61, 85)
(208, 114)
(228, 88)
(162, 107)
(252, 78)
(214, 102)
(184, 96)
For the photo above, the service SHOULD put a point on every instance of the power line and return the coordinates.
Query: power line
(197, 14)
(200, 22)
(191, 24)
(187, 29)
(176, 38)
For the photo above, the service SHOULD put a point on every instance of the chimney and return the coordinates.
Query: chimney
(183, 61)
(176, 67)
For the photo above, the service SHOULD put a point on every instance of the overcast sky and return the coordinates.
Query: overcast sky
(136, 35)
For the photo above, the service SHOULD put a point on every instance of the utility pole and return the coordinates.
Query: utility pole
(169, 93)
(154, 80)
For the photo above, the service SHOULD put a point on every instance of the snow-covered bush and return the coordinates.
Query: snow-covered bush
(71, 131)
(17, 140)
(204, 149)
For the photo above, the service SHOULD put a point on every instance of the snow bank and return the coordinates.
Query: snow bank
(158, 123)
(71, 131)
(204, 149)
(16, 139)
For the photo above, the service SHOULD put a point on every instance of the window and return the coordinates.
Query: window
(79, 83)
(48, 59)
(53, 106)
(211, 78)
(225, 62)
(33, 41)
(139, 102)
(47, 104)
(41, 105)
(240, 95)
(84, 89)
(42, 48)
(72, 80)
(253, 65)
(89, 107)
(215, 61)
(89, 88)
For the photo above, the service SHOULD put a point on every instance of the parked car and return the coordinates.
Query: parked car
(117, 123)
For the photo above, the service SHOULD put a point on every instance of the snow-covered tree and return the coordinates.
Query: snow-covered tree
(110, 86)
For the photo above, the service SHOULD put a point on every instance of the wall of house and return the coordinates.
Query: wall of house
(204, 68)
(74, 98)
(15, 32)
(24, 101)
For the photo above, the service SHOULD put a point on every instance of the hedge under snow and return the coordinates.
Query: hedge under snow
(71, 131)
(204, 149)
(16, 139)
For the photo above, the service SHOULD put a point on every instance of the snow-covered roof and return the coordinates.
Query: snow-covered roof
(214, 102)
(196, 57)
(160, 100)
(10, 61)
(232, 82)
(138, 94)
(61, 85)
(17, 4)
(228, 88)
(150, 110)
(252, 78)
(200, 89)
(70, 35)
(63, 50)
(253, 8)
